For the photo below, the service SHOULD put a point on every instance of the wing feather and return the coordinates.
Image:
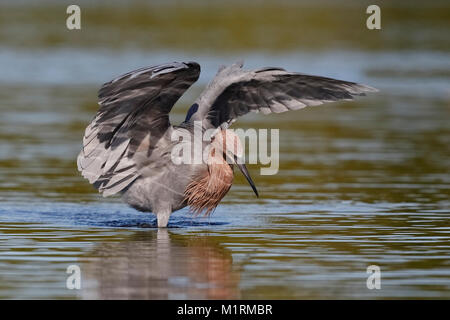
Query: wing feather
(235, 92)
(133, 107)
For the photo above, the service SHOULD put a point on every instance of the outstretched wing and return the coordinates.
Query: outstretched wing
(235, 92)
(133, 116)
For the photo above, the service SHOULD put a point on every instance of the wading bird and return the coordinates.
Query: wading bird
(127, 146)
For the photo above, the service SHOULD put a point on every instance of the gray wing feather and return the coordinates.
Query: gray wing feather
(133, 116)
(235, 92)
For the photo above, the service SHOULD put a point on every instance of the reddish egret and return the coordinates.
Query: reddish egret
(127, 146)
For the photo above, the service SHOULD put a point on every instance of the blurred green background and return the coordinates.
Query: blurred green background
(360, 183)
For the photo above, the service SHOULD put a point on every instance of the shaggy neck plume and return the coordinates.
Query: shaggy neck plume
(204, 195)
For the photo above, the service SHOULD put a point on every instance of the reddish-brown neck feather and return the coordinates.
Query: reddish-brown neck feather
(204, 195)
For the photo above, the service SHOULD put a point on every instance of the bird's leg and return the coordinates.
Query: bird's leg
(163, 218)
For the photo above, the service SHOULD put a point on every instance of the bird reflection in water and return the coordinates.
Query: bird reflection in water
(159, 265)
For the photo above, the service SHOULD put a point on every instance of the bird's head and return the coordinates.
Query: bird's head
(226, 146)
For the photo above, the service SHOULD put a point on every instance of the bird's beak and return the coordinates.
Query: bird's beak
(244, 171)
